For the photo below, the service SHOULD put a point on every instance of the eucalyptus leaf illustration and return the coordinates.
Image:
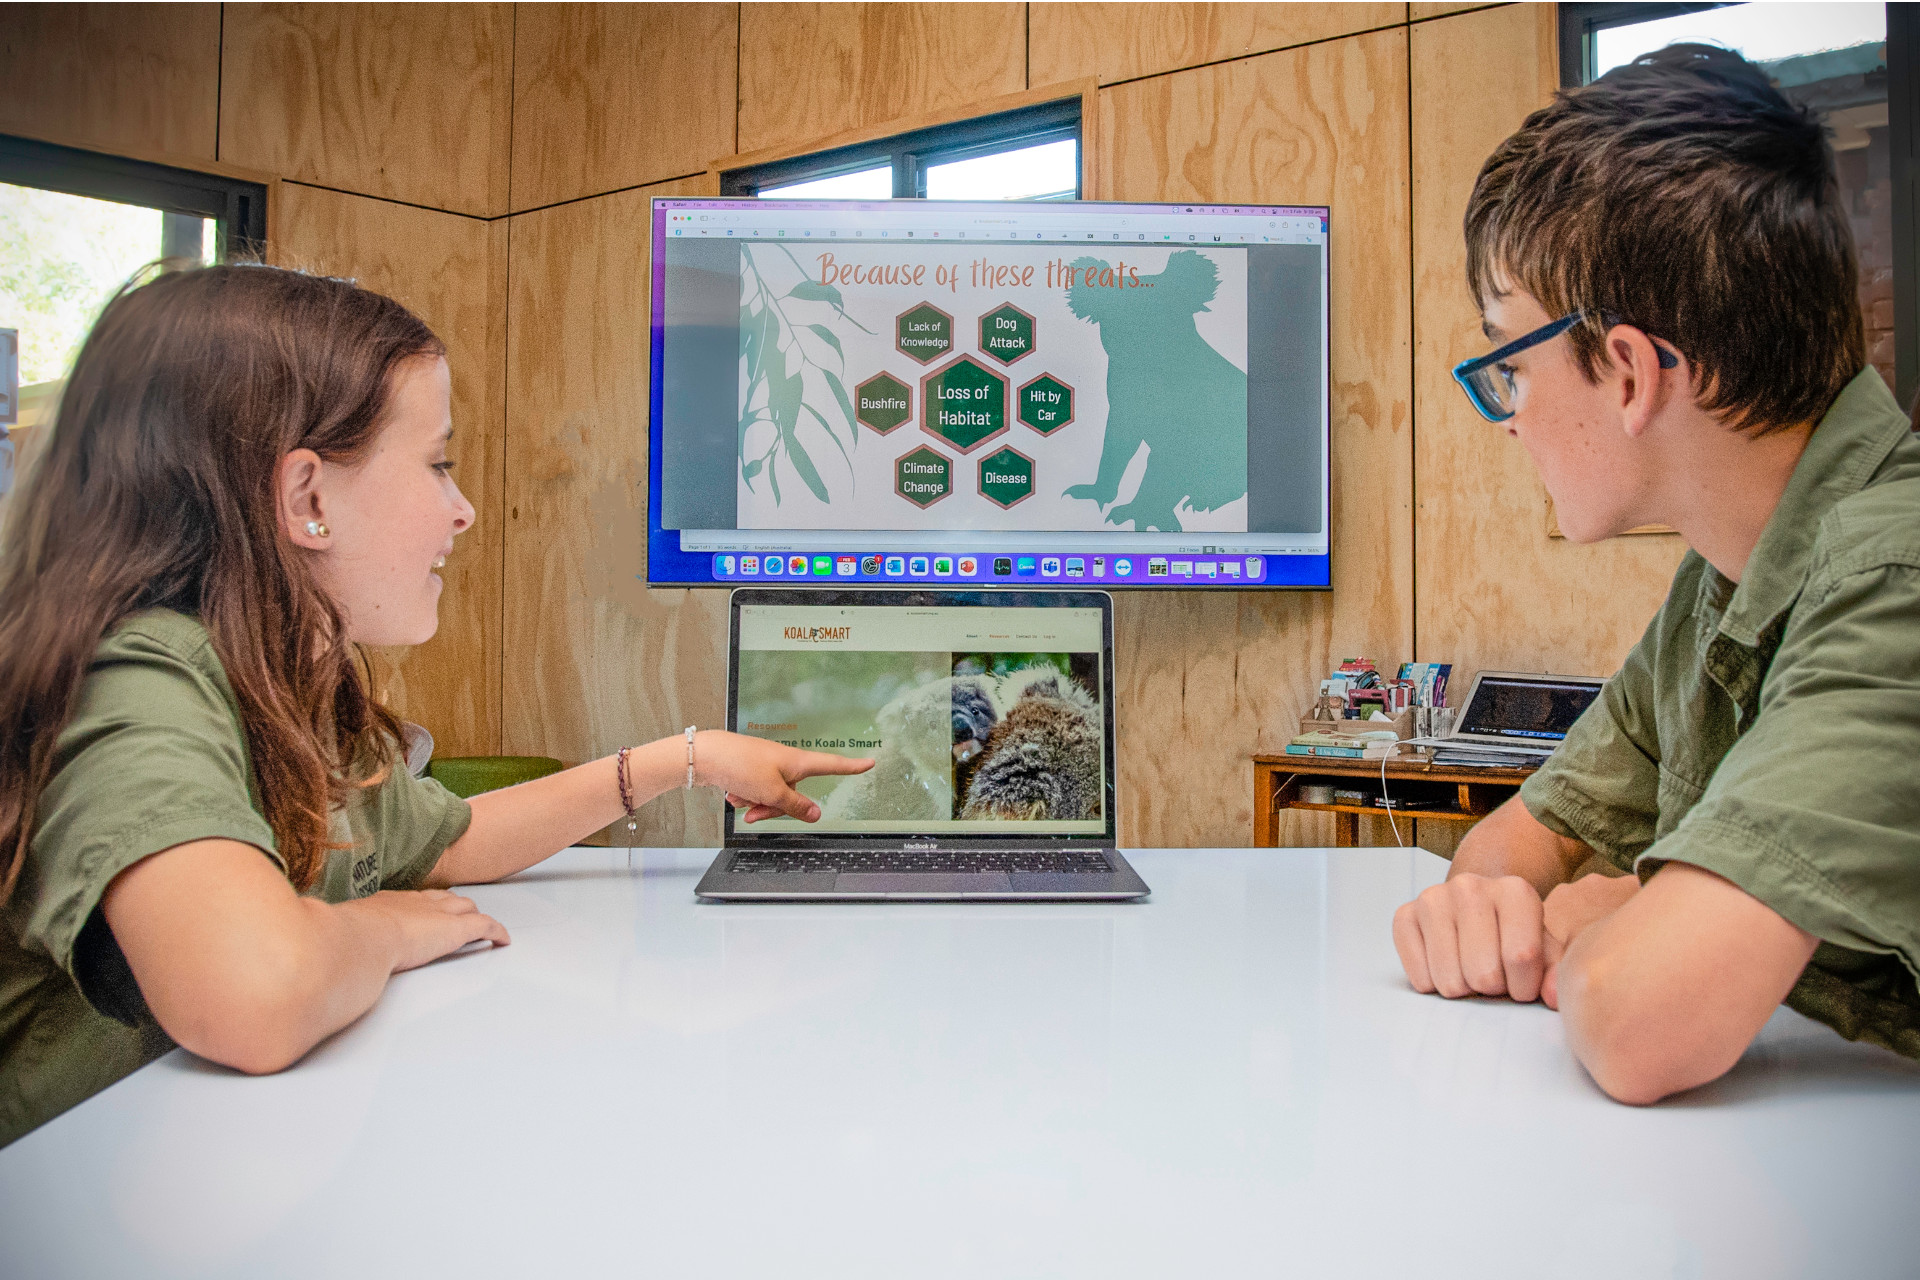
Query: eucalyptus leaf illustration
(794, 370)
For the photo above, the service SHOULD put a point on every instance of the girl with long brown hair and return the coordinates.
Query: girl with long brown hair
(207, 834)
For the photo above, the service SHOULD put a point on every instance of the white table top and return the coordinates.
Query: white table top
(1229, 1079)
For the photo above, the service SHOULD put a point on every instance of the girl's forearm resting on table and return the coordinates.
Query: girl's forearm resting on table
(1668, 991)
(238, 968)
(518, 826)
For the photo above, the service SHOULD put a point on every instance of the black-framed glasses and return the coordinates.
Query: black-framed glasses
(1489, 384)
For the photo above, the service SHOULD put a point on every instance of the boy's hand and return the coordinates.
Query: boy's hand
(1569, 910)
(1474, 935)
(759, 775)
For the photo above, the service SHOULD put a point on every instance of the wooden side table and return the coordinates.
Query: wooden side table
(1468, 794)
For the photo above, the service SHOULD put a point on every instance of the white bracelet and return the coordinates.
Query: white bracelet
(689, 786)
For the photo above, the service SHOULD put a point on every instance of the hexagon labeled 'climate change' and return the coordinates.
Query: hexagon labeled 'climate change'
(1006, 333)
(923, 477)
(1006, 476)
(1046, 404)
(924, 333)
(883, 402)
(963, 403)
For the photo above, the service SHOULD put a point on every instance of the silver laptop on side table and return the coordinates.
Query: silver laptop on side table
(990, 718)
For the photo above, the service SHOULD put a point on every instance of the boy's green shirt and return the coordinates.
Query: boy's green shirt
(1769, 732)
(155, 756)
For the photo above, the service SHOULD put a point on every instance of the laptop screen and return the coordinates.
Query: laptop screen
(987, 716)
(1535, 710)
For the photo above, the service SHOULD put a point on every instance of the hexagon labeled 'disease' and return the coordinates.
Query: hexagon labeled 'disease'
(924, 333)
(923, 477)
(963, 403)
(1006, 476)
(883, 402)
(1045, 404)
(1006, 333)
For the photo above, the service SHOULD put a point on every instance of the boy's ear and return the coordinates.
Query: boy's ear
(297, 489)
(1644, 385)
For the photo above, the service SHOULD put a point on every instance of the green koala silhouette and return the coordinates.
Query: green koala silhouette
(1167, 388)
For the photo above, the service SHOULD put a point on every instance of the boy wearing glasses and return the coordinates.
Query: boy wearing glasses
(1665, 266)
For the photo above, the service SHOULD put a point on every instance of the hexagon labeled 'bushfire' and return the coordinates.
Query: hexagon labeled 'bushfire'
(1006, 476)
(1045, 404)
(924, 333)
(963, 403)
(923, 477)
(1006, 333)
(883, 402)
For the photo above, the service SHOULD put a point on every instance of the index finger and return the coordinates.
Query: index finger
(815, 763)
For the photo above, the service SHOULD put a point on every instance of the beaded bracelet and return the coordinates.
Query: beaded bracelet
(689, 785)
(626, 789)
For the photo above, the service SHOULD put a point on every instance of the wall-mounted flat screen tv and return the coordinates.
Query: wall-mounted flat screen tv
(1000, 394)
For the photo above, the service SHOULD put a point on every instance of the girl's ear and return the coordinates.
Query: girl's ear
(297, 487)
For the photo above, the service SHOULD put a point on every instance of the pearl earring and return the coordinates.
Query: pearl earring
(317, 530)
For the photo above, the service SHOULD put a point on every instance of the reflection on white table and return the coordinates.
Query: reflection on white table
(1230, 1079)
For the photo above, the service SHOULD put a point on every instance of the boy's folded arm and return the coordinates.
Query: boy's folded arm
(1667, 992)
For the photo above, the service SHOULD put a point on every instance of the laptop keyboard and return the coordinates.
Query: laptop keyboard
(950, 861)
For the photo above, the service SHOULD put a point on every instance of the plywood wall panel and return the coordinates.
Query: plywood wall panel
(407, 102)
(1420, 10)
(589, 114)
(810, 70)
(1494, 591)
(452, 272)
(597, 661)
(138, 78)
(1125, 41)
(1205, 679)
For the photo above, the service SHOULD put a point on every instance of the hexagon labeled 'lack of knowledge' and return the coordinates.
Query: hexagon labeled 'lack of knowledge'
(923, 477)
(963, 403)
(924, 333)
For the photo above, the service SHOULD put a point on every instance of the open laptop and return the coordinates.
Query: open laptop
(990, 716)
(1514, 716)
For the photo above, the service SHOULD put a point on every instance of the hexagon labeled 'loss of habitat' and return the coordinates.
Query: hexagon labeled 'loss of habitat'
(883, 402)
(923, 333)
(1006, 333)
(1045, 404)
(1006, 476)
(923, 477)
(963, 403)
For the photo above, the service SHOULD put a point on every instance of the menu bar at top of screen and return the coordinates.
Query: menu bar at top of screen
(926, 629)
(910, 220)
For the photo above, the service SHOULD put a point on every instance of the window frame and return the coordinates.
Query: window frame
(239, 207)
(911, 154)
(1579, 22)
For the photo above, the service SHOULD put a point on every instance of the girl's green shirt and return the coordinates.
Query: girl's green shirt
(154, 757)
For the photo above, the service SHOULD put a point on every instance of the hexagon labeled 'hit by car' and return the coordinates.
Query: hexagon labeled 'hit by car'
(963, 403)
(1006, 333)
(1045, 404)
(923, 477)
(924, 333)
(1006, 476)
(883, 402)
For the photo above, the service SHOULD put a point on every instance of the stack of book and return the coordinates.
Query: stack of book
(1337, 739)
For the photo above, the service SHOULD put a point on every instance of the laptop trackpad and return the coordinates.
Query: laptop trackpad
(929, 883)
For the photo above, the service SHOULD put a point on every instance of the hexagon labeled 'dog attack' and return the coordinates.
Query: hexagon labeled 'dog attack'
(1045, 404)
(1006, 476)
(923, 477)
(925, 333)
(1006, 333)
(963, 403)
(883, 402)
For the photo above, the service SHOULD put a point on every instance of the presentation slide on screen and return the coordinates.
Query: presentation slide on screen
(982, 720)
(998, 386)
